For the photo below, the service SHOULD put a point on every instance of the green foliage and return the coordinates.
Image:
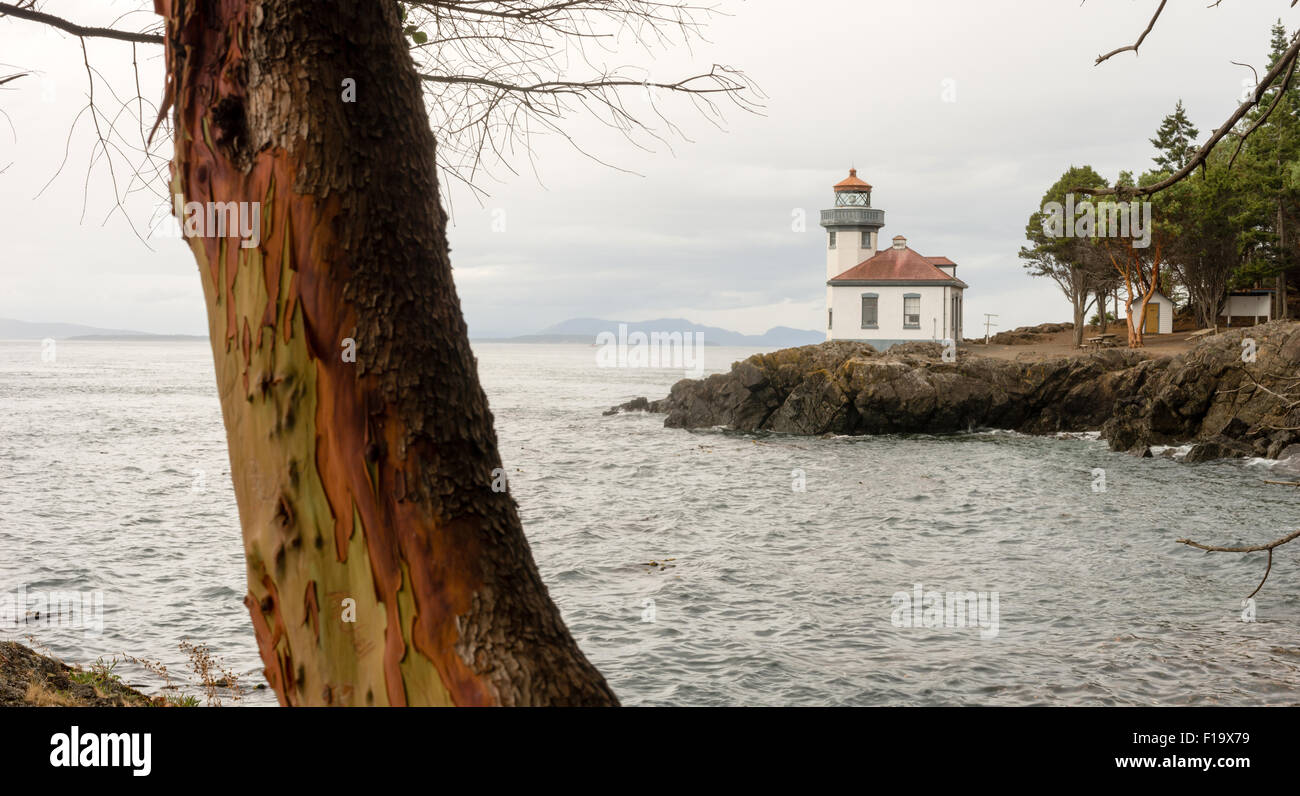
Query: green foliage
(100, 675)
(1062, 258)
(411, 32)
(1175, 141)
(1233, 223)
(1046, 247)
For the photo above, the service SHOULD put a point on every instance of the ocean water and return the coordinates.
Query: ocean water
(780, 563)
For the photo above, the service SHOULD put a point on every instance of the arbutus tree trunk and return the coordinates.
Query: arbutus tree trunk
(1139, 287)
(1148, 293)
(1078, 290)
(383, 568)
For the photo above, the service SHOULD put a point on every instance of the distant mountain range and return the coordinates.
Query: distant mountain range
(575, 330)
(11, 329)
(585, 330)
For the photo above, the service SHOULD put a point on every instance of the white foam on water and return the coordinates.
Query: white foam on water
(1178, 452)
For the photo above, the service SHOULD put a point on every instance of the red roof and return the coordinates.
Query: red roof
(897, 265)
(851, 182)
(940, 261)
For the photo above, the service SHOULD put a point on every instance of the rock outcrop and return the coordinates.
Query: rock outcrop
(1208, 396)
(1215, 399)
(29, 679)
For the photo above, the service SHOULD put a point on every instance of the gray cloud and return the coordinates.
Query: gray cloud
(703, 231)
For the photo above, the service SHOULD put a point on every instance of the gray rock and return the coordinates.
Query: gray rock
(1206, 396)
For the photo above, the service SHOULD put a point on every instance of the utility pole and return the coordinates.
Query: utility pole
(988, 323)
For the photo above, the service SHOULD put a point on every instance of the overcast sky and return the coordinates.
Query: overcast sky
(703, 231)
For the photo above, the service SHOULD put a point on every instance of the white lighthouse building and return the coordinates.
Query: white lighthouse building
(888, 296)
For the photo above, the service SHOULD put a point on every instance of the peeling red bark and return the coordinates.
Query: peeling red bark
(403, 445)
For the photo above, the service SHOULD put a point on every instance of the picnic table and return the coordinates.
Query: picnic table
(1100, 341)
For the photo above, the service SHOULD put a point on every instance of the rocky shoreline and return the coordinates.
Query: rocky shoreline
(29, 679)
(1213, 397)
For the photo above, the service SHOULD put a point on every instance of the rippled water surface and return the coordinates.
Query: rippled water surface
(114, 477)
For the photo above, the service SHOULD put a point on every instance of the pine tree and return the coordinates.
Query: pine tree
(1267, 157)
(1176, 140)
(1279, 43)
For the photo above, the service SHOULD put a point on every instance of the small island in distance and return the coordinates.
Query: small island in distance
(575, 330)
(12, 329)
(585, 330)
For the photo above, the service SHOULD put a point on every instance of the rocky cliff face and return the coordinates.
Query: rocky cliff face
(1212, 397)
(1208, 396)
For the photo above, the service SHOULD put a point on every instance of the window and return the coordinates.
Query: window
(866, 239)
(912, 311)
(870, 311)
(830, 319)
(832, 239)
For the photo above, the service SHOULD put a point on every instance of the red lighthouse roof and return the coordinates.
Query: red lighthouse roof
(852, 183)
(897, 265)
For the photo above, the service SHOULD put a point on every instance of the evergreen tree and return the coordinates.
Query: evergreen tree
(1279, 43)
(1176, 140)
(1267, 159)
(1070, 260)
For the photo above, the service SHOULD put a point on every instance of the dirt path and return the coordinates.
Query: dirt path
(1061, 344)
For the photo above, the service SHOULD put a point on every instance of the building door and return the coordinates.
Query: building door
(1151, 324)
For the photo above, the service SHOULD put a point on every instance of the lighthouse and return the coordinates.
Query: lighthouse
(852, 226)
(883, 297)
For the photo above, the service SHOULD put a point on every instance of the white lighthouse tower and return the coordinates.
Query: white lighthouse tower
(851, 229)
(883, 296)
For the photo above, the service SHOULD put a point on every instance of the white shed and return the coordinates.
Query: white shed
(1252, 304)
(1159, 315)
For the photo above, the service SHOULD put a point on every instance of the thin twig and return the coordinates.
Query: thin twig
(1135, 45)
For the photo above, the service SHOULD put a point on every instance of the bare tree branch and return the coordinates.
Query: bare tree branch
(21, 12)
(1135, 45)
(1249, 549)
(498, 75)
(1264, 116)
(1284, 65)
